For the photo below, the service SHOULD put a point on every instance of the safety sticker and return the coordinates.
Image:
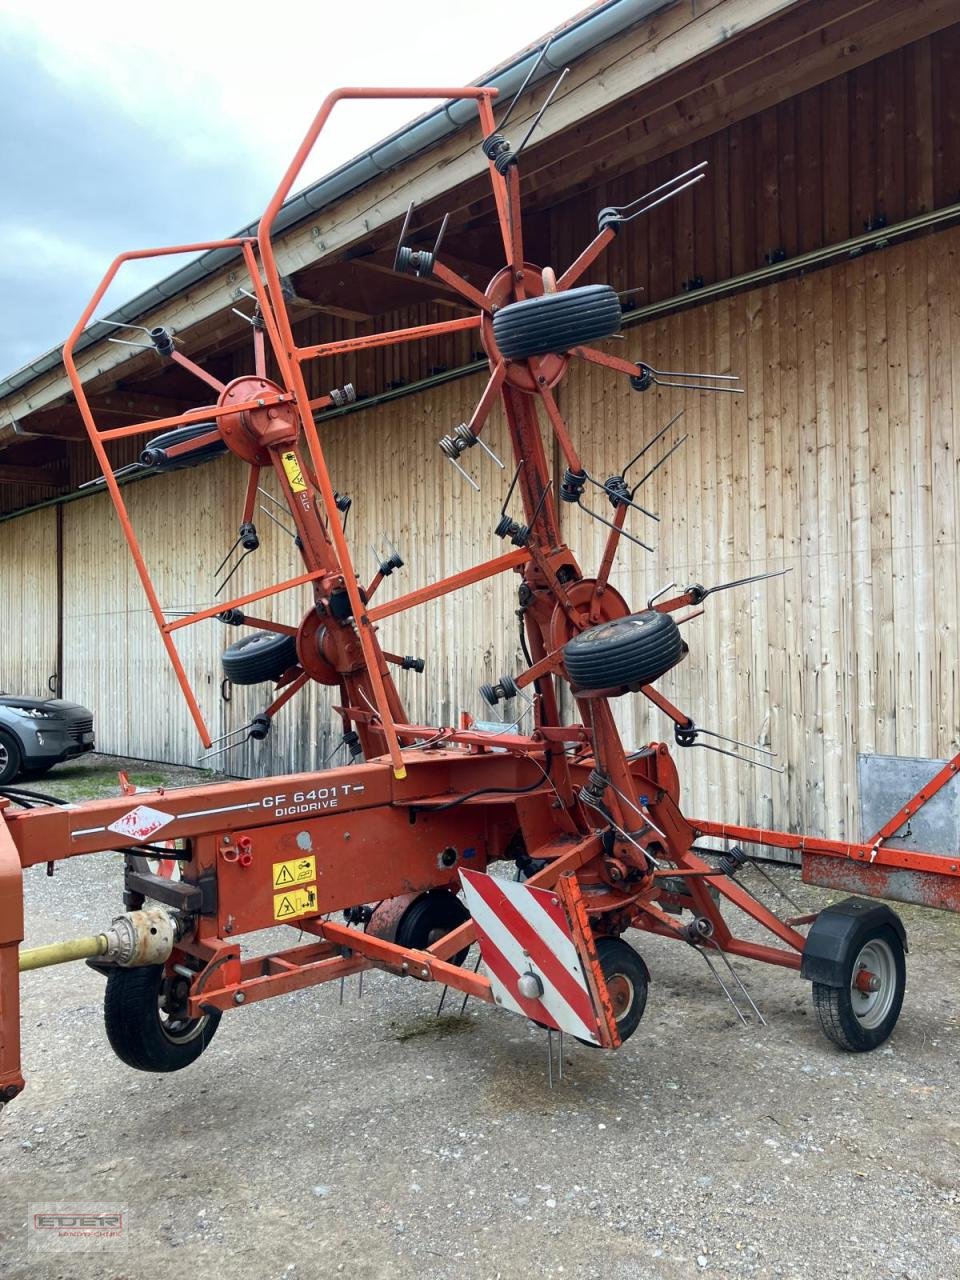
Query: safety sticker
(294, 903)
(296, 871)
(292, 467)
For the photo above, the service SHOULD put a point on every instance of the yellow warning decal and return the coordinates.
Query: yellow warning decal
(292, 467)
(296, 871)
(294, 903)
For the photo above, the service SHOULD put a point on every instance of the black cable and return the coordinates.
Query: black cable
(490, 791)
(15, 794)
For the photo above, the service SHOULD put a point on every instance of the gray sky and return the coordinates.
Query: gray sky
(127, 126)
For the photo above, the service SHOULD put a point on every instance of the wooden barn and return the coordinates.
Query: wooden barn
(818, 261)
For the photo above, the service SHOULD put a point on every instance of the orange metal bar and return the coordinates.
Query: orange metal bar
(96, 441)
(463, 287)
(186, 363)
(211, 413)
(249, 598)
(386, 339)
(592, 356)
(11, 935)
(456, 581)
(488, 399)
(586, 259)
(250, 500)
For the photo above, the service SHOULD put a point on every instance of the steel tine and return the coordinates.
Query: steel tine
(539, 116)
(360, 987)
(489, 452)
(513, 485)
(736, 742)
(342, 980)
(610, 525)
(208, 755)
(543, 498)
(682, 373)
(466, 996)
(270, 498)
(440, 234)
(657, 465)
(699, 386)
(279, 523)
(739, 981)
(227, 556)
(677, 177)
(662, 592)
(443, 996)
(550, 1056)
(667, 196)
(526, 80)
(742, 582)
(560, 1055)
(782, 892)
(757, 764)
(466, 477)
(232, 572)
(650, 443)
(720, 982)
(122, 342)
(232, 734)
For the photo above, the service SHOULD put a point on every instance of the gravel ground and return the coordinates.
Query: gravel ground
(372, 1139)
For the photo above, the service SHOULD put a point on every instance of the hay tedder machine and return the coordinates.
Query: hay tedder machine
(384, 862)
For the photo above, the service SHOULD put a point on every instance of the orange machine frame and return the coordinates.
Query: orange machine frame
(429, 799)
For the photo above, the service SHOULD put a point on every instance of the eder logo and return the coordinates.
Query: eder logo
(76, 1227)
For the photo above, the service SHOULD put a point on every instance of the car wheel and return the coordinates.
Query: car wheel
(11, 757)
(624, 653)
(144, 1024)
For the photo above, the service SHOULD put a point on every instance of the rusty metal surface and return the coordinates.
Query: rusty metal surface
(925, 888)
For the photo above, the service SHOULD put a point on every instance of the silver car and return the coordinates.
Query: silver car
(37, 733)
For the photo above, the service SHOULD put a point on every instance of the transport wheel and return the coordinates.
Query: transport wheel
(627, 979)
(428, 919)
(259, 658)
(555, 322)
(860, 1014)
(624, 653)
(11, 757)
(143, 1026)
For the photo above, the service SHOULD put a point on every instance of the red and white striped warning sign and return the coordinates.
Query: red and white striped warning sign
(524, 931)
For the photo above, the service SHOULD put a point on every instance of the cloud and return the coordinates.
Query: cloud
(128, 126)
(84, 182)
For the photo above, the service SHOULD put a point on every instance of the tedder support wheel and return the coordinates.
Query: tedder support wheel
(11, 758)
(142, 1024)
(624, 653)
(861, 1014)
(555, 322)
(627, 979)
(259, 658)
(429, 918)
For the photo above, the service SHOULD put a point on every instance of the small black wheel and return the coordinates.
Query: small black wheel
(260, 657)
(861, 1014)
(144, 1027)
(11, 757)
(555, 322)
(627, 979)
(624, 653)
(429, 919)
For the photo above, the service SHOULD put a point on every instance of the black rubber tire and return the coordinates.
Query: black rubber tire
(429, 918)
(625, 653)
(555, 322)
(626, 975)
(839, 1019)
(12, 765)
(138, 1034)
(260, 657)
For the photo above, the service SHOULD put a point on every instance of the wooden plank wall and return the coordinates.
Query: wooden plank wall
(28, 580)
(839, 463)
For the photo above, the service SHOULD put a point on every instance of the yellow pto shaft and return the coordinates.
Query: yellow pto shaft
(60, 952)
